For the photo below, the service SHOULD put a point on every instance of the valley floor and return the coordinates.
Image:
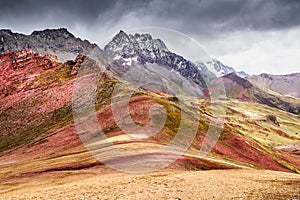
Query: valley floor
(168, 184)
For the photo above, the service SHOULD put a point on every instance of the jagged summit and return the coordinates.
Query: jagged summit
(7, 31)
(54, 41)
(220, 68)
(127, 49)
(130, 45)
(53, 32)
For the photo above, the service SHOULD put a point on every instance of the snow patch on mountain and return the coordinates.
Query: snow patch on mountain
(125, 49)
(218, 68)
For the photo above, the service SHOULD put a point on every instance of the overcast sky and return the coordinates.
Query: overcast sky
(252, 35)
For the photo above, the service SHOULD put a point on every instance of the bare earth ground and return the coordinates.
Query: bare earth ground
(167, 184)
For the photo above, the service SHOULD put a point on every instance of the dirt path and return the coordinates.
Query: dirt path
(211, 184)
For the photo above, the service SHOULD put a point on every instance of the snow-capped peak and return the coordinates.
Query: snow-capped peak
(126, 49)
(219, 67)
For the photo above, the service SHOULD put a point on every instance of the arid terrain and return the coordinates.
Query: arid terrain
(99, 183)
(51, 146)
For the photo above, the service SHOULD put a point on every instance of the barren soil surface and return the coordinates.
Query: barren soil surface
(167, 184)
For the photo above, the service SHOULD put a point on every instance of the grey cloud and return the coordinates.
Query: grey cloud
(229, 15)
(84, 11)
(191, 16)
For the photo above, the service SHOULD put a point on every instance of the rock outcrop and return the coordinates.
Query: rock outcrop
(126, 50)
(54, 41)
(17, 69)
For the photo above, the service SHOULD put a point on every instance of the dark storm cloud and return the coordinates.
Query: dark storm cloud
(82, 10)
(230, 15)
(189, 16)
(233, 14)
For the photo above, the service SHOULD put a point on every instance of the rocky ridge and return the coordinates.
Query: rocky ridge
(126, 50)
(54, 41)
(285, 84)
(220, 68)
(123, 51)
(240, 88)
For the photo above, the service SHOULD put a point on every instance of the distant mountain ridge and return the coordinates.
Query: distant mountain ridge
(240, 88)
(285, 84)
(220, 68)
(53, 41)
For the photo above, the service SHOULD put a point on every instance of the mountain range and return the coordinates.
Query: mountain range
(125, 50)
(39, 131)
(60, 42)
(284, 84)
